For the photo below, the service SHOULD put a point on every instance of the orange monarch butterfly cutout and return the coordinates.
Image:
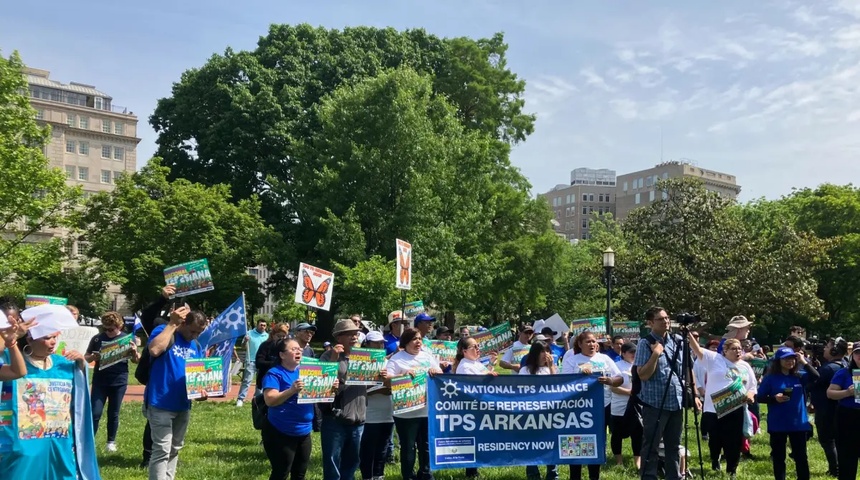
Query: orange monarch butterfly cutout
(314, 287)
(403, 275)
(310, 292)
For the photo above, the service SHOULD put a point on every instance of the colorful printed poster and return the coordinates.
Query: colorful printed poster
(409, 393)
(36, 300)
(364, 366)
(730, 398)
(403, 279)
(443, 350)
(116, 350)
(495, 339)
(44, 408)
(628, 330)
(204, 375)
(519, 353)
(189, 277)
(413, 309)
(314, 287)
(855, 376)
(595, 325)
(318, 379)
(76, 339)
(758, 365)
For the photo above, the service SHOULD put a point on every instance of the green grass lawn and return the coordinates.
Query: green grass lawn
(222, 444)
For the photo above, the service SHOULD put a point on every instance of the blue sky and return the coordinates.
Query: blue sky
(768, 92)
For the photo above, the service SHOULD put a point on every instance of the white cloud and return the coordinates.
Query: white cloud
(592, 78)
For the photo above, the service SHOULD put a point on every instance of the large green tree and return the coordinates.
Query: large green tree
(245, 119)
(34, 197)
(148, 223)
(692, 252)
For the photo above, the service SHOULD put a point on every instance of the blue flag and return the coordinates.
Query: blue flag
(486, 421)
(137, 324)
(229, 325)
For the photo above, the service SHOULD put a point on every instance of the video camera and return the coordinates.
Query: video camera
(685, 319)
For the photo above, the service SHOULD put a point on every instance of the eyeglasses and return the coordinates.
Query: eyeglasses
(475, 347)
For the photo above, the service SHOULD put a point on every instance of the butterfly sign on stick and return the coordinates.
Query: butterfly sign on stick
(314, 286)
(404, 265)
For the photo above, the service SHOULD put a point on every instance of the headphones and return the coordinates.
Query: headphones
(839, 348)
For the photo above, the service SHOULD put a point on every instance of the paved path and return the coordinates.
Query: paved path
(134, 393)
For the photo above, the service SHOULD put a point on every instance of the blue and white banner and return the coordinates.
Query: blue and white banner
(486, 421)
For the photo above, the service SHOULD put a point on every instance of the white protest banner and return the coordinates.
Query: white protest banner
(77, 339)
(403, 276)
(314, 286)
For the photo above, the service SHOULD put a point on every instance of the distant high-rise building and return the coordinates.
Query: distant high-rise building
(92, 139)
(590, 191)
(262, 274)
(638, 189)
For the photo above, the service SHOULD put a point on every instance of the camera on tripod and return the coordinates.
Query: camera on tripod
(685, 319)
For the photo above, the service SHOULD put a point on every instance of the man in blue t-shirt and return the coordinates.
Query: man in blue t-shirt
(254, 338)
(165, 400)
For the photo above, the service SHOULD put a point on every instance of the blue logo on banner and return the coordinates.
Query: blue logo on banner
(484, 421)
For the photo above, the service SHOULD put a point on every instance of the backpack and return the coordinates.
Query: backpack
(144, 365)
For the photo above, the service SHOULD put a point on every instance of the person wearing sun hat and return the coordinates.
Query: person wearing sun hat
(396, 324)
(341, 429)
(784, 390)
(842, 389)
(738, 327)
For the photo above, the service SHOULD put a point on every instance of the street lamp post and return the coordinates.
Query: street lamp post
(608, 265)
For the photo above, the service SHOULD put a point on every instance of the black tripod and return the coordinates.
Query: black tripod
(687, 395)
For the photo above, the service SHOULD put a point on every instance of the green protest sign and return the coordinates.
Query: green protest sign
(364, 366)
(443, 350)
(409, 393)
(318, 379)
(116, 350)
(204, 375)
(595, 325)
(730, 398)
(628, 330)
(189, 277)
(758, 365)
(35, 300)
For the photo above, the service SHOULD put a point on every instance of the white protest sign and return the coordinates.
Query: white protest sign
(403, 276)
(77, 339)
(557, 325)
(314, 286)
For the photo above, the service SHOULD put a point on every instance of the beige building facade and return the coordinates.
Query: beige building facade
(591, 191)
(639, 189)
(92, 140)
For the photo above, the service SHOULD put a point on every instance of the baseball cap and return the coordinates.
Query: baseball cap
(784, 352)
(305, 326)
(374, 336)
(395, 316)
(326, 344)
(540, 338)
(548, 331)
(443, 330)
(424, 317)
(855, 347)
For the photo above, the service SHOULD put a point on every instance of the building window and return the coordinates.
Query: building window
(625, 186)
(105, 176)
(253, 271)
(40, 114)
(584, 223)
(636, 200)
(106, 150)
(84, 123)
(584, 197)
(649, 181)
(70, 146)
(105, 126)
(590, 197)
(70, 120)
(665, 175)
(585, 210)
(117, 176)
(665, 195)
(118, 153)
(651, 196)
(118, 128)
(83, 174)
(84, 148)
(70, 172)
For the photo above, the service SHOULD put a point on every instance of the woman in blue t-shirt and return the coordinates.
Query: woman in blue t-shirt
(782, 388)
(109, 383)
(287, 434)
(842, 389)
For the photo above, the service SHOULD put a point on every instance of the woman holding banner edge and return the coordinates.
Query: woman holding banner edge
(586, 358)
(539, 361)
(412, 428)
(467, 362)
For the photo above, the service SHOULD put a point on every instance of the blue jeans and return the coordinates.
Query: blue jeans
(414, 442)
(374, 444)
(533, 472)
(247, 378)
(340, 448)
(112, 396)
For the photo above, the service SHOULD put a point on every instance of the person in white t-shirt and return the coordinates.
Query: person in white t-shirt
(586, 358)
(412, 426)
(525, 337)
(468, 362)
(378, 424)
(539, 361)
(624, 426)
(726, 435)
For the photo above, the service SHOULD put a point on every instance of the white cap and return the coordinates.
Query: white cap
(374, 336)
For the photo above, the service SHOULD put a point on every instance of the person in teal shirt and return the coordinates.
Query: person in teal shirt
(783, 389)
(254, 339)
